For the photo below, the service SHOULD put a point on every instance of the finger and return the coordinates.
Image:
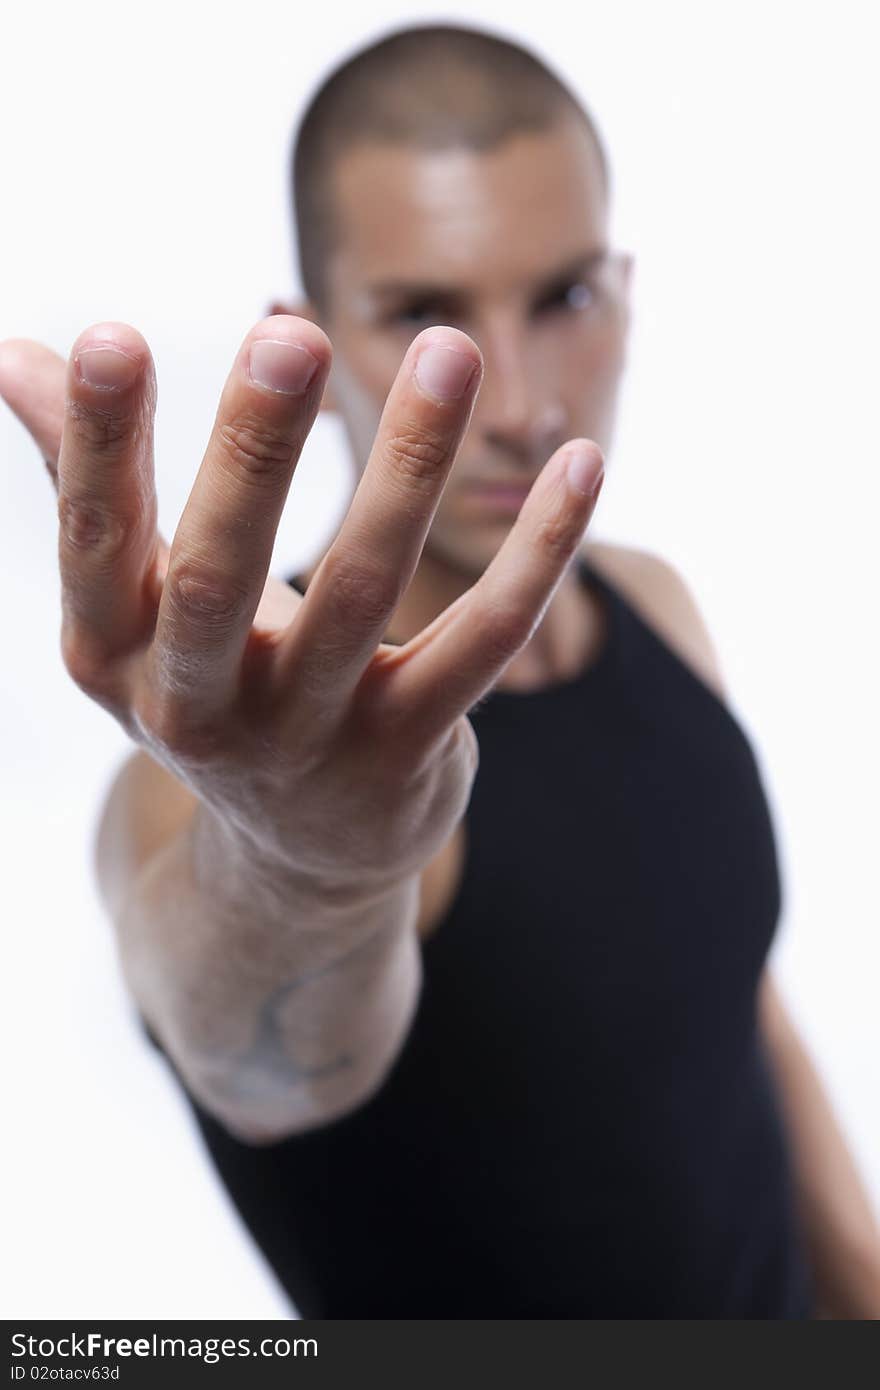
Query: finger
(454, 661)
(107, 542)
(223, 545)
(364, 574)
(32, 384)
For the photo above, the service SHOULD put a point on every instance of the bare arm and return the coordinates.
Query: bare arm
(840, 1226)
(280, 1009)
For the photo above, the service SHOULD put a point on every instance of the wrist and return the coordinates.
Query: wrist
(227, 860)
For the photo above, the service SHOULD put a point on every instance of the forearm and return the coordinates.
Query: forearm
(280, 1005)
(840, 1225)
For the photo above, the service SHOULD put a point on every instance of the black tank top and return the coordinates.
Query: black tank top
(582, 1121)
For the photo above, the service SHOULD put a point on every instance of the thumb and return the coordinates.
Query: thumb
(32, 384)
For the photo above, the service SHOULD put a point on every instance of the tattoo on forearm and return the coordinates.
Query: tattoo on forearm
(269, 1058)
(268, 1055)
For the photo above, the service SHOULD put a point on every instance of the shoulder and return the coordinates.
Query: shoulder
(664, 600)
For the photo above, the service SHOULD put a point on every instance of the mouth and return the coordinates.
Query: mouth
(501, 498)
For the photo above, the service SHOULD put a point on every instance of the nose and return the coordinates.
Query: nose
(514, 414)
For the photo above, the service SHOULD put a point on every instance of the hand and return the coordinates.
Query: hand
(326, 752)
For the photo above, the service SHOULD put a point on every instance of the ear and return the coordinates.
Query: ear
(303, 309)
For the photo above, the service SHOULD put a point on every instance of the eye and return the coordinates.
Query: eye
(420, 312)
(572, 296)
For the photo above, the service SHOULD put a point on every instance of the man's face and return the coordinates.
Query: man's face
(499, 244)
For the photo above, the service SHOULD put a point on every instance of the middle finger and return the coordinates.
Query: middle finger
(366, 570)
(223, 545)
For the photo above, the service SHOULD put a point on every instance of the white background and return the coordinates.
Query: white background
(143, 178)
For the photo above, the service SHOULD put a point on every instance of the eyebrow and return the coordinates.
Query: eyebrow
(391, 289)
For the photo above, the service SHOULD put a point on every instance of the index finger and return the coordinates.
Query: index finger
(222, 547)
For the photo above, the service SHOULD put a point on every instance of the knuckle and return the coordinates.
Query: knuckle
(377, 597)
(256, 451)
(105, 431)
(90, 527)
(364, 593)
(557, 537)
(205, 596)
(417, 453)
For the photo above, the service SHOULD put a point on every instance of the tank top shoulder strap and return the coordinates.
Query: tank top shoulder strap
(595, 579)
(618, 616)
(643, 654)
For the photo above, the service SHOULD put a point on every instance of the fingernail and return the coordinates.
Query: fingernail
(444, 373)
(106, 368)
(280, 366)
(585, 473)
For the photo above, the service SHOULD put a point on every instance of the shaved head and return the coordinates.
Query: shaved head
(434, 87)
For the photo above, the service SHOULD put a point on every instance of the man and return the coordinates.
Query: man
(474, 1025)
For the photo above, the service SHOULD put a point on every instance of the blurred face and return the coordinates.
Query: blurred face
(509, 245)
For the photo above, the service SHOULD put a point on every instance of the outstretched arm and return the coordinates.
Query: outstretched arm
(267, 929)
